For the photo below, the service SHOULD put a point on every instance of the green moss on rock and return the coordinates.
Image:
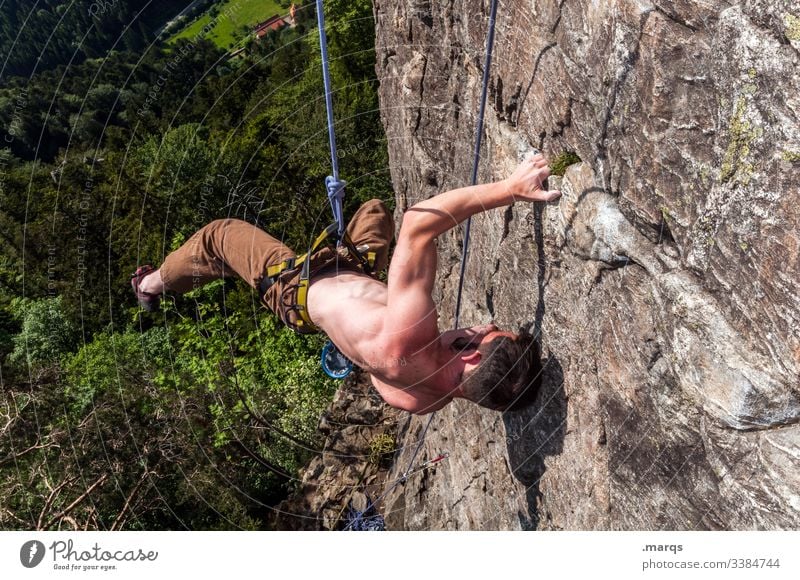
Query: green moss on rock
(562, 161)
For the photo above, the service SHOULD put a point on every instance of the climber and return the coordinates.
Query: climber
(389, 329)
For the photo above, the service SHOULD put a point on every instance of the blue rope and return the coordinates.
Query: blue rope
(334, 185)
(369, 519)
(477, 157)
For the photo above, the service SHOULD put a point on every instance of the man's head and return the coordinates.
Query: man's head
(501, 369)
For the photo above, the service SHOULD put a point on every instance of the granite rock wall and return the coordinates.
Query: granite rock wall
(663, 284)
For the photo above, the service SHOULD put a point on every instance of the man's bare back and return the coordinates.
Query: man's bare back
(351, 309)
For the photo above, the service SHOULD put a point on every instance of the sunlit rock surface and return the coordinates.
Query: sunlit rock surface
(663, 285)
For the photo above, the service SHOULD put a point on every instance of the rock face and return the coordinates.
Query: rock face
(359, 430)
(663, 285)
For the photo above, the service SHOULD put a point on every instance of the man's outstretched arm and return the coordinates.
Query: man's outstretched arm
(435, 216)
(411, 313)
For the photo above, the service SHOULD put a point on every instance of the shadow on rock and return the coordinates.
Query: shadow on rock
(535, 433)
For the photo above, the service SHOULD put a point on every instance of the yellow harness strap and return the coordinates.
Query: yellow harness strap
(365, 258)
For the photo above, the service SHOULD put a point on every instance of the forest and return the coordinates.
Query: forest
(116, 147)
(38, 35)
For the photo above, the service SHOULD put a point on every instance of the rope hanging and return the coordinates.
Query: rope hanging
(369, 519)
(477, 156)
(333, 184)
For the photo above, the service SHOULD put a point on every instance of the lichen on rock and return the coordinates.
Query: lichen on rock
(792, 26)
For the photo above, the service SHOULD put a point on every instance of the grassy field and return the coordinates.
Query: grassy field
(242, 13)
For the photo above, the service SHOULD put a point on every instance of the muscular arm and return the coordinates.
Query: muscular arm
(434, 216)
(411, 314)
(411, 322)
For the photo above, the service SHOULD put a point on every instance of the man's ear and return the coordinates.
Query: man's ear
(472, 357)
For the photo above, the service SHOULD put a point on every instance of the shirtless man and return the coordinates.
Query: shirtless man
(389, 329)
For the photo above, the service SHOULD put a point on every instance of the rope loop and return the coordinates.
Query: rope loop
(335, 189)
(368, 520)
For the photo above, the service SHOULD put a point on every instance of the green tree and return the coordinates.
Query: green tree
(199, 415)
(47, 333)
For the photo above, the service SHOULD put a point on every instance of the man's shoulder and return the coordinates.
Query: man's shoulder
(416, 340)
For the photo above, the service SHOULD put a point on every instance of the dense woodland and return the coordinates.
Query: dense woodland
(37, 35)
(114, 150)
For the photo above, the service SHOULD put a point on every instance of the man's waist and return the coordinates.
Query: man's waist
(320, 262)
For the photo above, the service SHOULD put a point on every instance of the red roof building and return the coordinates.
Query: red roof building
(272, 24)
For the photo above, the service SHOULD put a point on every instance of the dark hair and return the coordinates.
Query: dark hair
(508, 376)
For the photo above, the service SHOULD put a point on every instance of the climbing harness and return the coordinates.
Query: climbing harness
(303, 324)
(355, 522)
(294, 297)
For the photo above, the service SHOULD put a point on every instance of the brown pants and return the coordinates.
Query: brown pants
(229, 247)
